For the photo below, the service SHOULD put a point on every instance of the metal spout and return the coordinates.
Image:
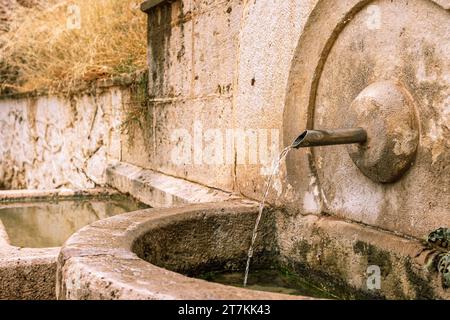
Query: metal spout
(315, 138)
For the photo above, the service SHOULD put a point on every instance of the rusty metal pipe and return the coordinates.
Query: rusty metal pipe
(315, 138)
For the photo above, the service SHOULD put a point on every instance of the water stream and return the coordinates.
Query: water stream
(276, 166)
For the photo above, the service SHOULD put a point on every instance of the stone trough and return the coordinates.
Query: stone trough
(140, 255)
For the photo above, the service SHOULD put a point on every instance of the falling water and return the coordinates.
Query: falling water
(281, 157)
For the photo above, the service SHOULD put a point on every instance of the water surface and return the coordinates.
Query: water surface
(270, 280)
(46, 224)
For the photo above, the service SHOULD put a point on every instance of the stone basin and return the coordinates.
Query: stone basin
(150, 254)
(157, 253)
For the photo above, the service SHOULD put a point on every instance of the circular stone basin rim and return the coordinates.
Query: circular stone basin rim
(98, 263)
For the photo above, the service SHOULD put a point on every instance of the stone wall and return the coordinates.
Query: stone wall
(218, 68)
(221, 66)
(50, 142)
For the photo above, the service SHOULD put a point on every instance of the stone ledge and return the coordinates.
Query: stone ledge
(159, 190)
(36, 195)
(146, 6)
(81, 87)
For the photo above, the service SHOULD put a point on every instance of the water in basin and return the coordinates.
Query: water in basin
(270, 280)
(45, 224)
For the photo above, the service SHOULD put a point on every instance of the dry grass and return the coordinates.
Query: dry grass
(41, 52)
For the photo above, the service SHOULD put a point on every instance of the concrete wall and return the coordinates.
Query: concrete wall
(49, 142)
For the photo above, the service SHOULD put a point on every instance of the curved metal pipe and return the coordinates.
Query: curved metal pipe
(314, 138)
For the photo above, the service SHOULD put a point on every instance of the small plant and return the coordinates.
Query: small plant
(439, 240)
(137, 107)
